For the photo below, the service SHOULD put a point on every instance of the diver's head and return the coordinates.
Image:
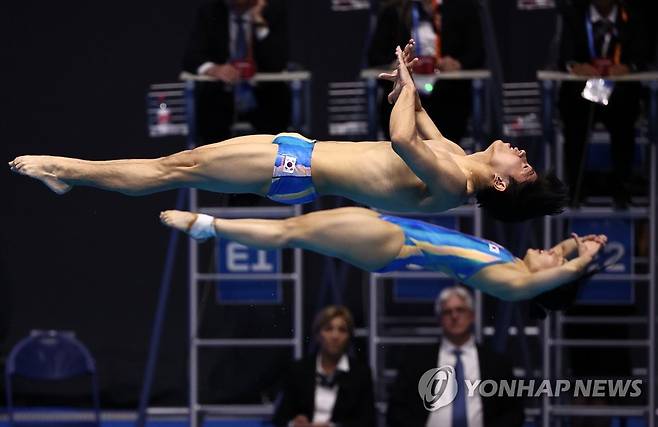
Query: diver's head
(510, 200)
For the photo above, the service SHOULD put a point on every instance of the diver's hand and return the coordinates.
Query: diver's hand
(409, 59)
(589, 247)
(600, 238)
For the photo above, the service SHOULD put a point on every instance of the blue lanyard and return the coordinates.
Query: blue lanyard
(590, 36)
(415, 21)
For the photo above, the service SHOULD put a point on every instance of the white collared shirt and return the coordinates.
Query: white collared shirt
(443, 416)
(427, 37)
(595, 16)
(325, 397)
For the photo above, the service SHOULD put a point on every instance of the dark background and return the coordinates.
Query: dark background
(75, 75)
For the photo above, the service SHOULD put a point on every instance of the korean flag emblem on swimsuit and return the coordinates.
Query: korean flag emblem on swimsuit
(289, 163)
(493, 248)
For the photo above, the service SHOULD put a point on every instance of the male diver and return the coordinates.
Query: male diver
(417, 171)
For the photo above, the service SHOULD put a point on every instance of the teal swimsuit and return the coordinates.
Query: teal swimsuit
(437, 248)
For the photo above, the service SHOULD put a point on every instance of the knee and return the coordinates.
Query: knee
(182, 159)
(177, 166)
(291, 231)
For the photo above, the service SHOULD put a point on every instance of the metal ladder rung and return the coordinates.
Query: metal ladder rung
(513, 331)
(605, 212)
(598, 343)
(244, 342)
(611, 277)
(604, 319)
(168, 86)
(411, 275)
(237, 410)
(598, 411)
(245, 277)
(405, 340)
(461, 211)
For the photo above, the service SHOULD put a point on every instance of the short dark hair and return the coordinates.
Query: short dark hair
(564, 296)
(546, 195)
(560, 298)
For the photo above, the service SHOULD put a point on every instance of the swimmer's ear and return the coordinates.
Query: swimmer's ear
(499, 183)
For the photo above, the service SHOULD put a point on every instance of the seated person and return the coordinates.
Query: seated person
(471, 361)
(329, 388)
(602, 38)
(230, 35)
(449, 38)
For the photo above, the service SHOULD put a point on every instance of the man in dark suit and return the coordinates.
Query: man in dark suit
(452, 35)
(454, 307)
(329, 389)
(599, 38)
(227, 34)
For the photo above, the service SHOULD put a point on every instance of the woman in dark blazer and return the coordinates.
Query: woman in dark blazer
(330, 388)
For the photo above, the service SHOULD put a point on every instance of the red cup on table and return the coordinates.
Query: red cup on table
(602, 65)
(245, 67)
(425, 65)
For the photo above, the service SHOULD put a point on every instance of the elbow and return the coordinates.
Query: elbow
(399, 145)
(399, 138)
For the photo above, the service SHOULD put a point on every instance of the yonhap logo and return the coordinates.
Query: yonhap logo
(437, 387)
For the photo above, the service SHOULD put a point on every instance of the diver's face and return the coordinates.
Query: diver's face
(540, 259)
(510, 162)
(456, 318)
(603, 5)
(334, 337)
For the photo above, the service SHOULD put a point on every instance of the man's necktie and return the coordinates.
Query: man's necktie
(602, 28)
(459, 418)
(240, 39)
(325, 380)
(244, 97)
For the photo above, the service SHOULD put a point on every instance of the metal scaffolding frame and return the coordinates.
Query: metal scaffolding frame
(479, 80)
(300, 111)
(553, 342)
(377, 341)
(196, 343)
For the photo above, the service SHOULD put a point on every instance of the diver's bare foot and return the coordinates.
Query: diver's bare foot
(41, 168)
(180, 220)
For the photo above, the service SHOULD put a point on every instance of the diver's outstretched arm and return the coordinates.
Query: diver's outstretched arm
(512, 284)
(569, 246)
